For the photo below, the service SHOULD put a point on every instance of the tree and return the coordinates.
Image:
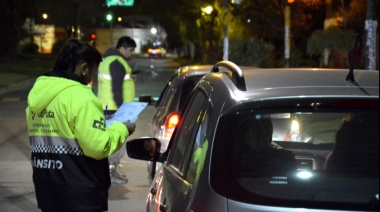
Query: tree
(254, 51)
(13, 14)
(327, 42)
(264, 19)
(71, 14)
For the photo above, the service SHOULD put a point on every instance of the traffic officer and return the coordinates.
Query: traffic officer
(115, 86)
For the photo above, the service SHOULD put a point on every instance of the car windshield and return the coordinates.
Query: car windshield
(308, 156)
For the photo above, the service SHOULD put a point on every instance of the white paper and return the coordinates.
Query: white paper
(128, 111)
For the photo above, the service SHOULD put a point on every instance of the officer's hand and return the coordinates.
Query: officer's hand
(130, 126)
(134, 77)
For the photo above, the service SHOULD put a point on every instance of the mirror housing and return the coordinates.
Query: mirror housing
(147, 149)
(148, 99)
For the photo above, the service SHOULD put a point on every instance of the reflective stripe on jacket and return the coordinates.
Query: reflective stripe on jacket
(105, 86)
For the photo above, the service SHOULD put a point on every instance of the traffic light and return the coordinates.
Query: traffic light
(109, 17)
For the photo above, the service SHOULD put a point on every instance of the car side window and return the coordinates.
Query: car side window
(198, 151)
(165, 92)
(187, 131)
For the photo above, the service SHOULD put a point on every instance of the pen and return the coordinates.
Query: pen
(105, 111)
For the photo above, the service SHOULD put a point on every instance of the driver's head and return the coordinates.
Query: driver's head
(255, 133)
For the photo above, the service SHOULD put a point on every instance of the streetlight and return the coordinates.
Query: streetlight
(153, 31)
(45, 16)
(208, 9)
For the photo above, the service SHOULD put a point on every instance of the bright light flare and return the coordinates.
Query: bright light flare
(304, 175)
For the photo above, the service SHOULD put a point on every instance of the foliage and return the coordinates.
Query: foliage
(71, 13)
(184, 22)
(12, 16)
(264, 19)
(296, 58)
(356, 14)
(334, 43)
(332, 38)
(316, 43)
(250, 52)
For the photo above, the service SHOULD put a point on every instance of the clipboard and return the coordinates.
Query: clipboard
(128, 111)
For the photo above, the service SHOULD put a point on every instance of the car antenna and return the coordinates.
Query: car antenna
(350, 77)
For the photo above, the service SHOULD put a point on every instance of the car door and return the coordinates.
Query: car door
(171, 189)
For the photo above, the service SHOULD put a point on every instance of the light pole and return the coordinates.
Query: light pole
(109, 18)
(207, 20)
(371, 28)
(43, 30)
(287, 33)
(154, 32)
(225, 40)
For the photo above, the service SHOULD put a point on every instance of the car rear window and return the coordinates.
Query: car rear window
(314, 157)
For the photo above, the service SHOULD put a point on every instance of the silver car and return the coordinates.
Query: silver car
(170, 105)
(271, 140)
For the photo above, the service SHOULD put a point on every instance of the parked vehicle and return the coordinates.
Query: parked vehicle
(170, 105)
(271, 140)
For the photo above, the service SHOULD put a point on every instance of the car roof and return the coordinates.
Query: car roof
(313, 82)
(195, 70)
(298, 83)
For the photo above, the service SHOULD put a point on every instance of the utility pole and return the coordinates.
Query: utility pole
(287, 33)
(371, 28)
(225, 40)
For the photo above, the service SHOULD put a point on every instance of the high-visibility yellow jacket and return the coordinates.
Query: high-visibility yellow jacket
(70, 144)
(115, 83)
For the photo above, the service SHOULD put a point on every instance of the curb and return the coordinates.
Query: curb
(16, 86)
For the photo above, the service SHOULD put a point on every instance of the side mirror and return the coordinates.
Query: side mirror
(147, 149)
(147, 99)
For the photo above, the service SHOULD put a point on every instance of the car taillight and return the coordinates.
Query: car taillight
(170, 124)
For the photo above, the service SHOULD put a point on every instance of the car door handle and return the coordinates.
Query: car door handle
(163, 206)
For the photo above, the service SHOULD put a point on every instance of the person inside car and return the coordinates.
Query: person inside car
(257, 153)
(356, 146)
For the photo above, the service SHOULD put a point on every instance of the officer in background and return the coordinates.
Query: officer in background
(116, 85)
